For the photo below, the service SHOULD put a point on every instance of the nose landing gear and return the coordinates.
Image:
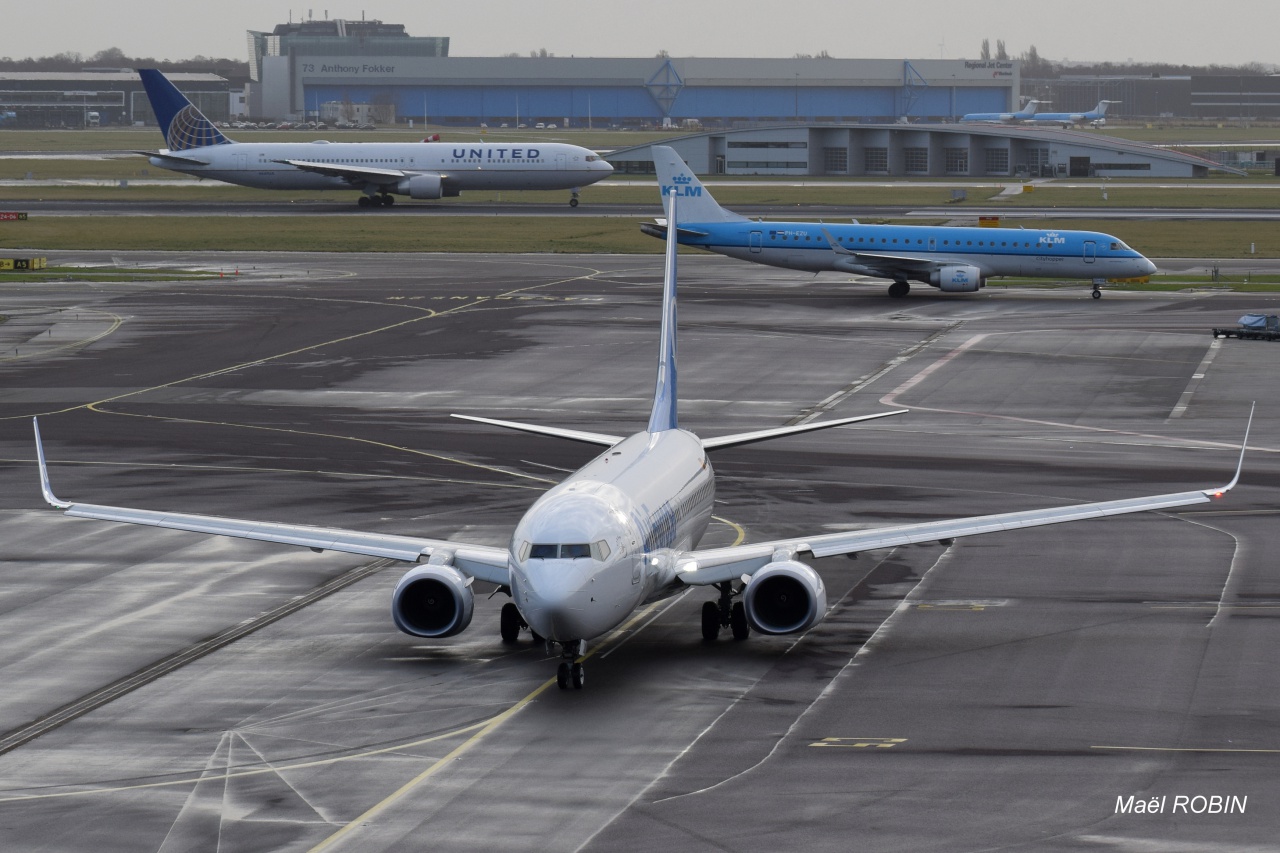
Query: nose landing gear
(573, 198)
(571, 670)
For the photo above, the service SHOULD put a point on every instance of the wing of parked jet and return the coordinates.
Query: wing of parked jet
(479, 561)
(717, 565)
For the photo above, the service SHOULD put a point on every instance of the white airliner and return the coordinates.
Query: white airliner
(380, 170)
(1096, 117)
(952, 259)
(621, 532)
(1005, 118)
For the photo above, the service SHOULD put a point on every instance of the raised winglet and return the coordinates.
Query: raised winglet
(1222, 490)
(45, 488)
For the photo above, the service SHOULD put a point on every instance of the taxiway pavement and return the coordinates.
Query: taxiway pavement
(999, 692)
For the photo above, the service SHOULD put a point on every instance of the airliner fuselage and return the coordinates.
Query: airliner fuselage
(271, 165)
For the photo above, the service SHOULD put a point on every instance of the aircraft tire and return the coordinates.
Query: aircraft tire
(738, 621)
(510, 623)
(562, 675)
(710, 621)
(573, 202)
(899, 289)
(363, 201)
(1097, 294)
(578, 675)
(388, 199)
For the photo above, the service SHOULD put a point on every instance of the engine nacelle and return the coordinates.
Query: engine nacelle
(957, 278)
(421, 186)
(432, 601)
(784, 598)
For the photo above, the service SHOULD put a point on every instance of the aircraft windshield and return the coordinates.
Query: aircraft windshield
(572, 551)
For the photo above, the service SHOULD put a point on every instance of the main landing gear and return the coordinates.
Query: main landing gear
(511, 623)
(725, 613)
(899, 289)
(571, 670)
(386, 200)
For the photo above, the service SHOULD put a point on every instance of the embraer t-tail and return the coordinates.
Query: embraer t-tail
(952, 259)
(618, 533)
(379, 170)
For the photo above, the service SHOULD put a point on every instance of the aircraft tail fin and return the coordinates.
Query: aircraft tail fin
(696, 203)
(664, 415)
(184, 127)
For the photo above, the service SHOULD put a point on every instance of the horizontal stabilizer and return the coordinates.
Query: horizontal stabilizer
(173, 158)
(556, 432)
(766, 434)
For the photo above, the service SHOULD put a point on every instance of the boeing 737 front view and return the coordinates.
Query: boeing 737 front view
(621, 532)
(379, 170)
(952, 259)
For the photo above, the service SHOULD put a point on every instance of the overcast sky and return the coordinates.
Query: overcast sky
(1176, 31)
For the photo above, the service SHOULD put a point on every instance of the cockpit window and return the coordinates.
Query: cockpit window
(1117, 246)
(573, 551)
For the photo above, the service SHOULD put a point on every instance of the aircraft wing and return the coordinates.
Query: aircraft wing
(717, 565)
(354, 174)
(479, 561)
(888, 262)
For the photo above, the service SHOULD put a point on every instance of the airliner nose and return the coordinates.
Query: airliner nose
(1148, 268)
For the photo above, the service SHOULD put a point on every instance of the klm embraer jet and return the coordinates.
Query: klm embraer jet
(380, 170)
(619, 533)
(954, 260)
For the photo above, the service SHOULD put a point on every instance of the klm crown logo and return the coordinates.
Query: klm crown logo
(683, 186)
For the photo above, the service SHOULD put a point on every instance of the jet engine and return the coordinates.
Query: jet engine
(433, 601)
(957, 278)
(421, 186)
(784, 598)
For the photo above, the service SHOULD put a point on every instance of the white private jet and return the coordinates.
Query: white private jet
(621, 532)
(380, 170)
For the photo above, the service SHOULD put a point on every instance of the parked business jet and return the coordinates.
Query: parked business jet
(1005, 118)
(380, 170)
(1096, 117)
(621, 532)
(955, 260)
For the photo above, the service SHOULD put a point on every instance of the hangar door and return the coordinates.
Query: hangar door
(1079, 167)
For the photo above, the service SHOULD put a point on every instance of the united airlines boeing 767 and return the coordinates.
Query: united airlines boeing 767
(955, 260)
(621, 532)
(380, 170)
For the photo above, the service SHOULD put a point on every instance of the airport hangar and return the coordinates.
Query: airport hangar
(918, 151)
(584, 92)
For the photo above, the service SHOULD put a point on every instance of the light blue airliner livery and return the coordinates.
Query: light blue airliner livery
(1006, 118)
(952, 259)
(379, 170)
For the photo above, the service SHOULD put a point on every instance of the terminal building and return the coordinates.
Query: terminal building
(919, 151)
